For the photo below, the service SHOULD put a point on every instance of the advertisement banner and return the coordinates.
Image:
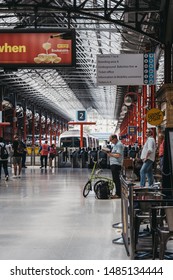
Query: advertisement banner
(37, 48)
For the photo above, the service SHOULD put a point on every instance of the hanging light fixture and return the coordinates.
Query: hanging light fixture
(128, 101)
(124, 109)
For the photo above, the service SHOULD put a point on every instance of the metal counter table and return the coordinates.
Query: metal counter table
(137, 195)
(129, 198)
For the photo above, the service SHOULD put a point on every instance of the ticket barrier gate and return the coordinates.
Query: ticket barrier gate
(92, 156)
(83, 158)
(75, 159)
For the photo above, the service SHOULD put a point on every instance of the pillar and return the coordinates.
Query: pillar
(139, 120)
(14, 115)
(1, 99)
(50, 133)
(167, 92)
(144, 104)
(40, 128)
(167, 63)
(24, 122)
(33, 126)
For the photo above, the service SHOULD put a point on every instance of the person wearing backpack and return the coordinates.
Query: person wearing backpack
(3, 158)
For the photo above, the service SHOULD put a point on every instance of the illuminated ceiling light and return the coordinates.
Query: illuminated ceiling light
(19, 109)
(6, 105)
(122, 115)
(128, 101)
(29, 114)
(43, 119)
(36, 116)
(48, 121)
(124, 109)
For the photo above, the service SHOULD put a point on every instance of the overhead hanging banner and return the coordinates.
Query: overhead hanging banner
(126, 69)
(37, 48)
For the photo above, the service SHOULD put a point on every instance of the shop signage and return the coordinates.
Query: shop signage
(154, 116)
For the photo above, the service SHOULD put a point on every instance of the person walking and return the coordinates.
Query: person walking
(52, 154)
(148, 157)
(116, 161)
(17, 156)
(24, 154)
(3, 158)
(44, 151)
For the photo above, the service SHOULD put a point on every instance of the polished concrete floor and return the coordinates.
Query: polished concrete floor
(44, 216)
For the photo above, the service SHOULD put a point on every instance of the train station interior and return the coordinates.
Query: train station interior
(73, 73)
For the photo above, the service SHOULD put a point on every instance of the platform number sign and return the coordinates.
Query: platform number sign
(81, 115)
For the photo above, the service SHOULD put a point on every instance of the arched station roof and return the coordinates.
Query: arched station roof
(102, 27)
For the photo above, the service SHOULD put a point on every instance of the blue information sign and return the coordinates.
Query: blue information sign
(132, 130)
(149, 69)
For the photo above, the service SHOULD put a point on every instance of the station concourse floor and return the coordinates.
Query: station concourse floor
(44, 216)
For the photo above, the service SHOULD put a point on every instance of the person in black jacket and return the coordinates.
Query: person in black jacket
(17, 156)
(24, 154)
(3, 158)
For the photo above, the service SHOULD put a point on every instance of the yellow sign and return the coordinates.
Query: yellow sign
(154, 116)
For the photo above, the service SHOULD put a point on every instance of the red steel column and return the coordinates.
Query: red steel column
(50, 133)
(24, 122)
(1, 99)
(46, 126)
(33, 126)
(139, 120)
(81, 136)
(153, 104)
(14, 117)
(59, 132)
(55, 132)
(40, 129)
(144, 113)
(153, 101)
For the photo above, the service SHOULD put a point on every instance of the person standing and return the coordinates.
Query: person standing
(116, 161)
(44, 151)
(148, 157)
(3, 158)
(161, 150)
(17, 156)
(24, 154)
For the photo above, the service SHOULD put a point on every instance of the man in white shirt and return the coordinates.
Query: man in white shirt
(116, 161)
(148, 157)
